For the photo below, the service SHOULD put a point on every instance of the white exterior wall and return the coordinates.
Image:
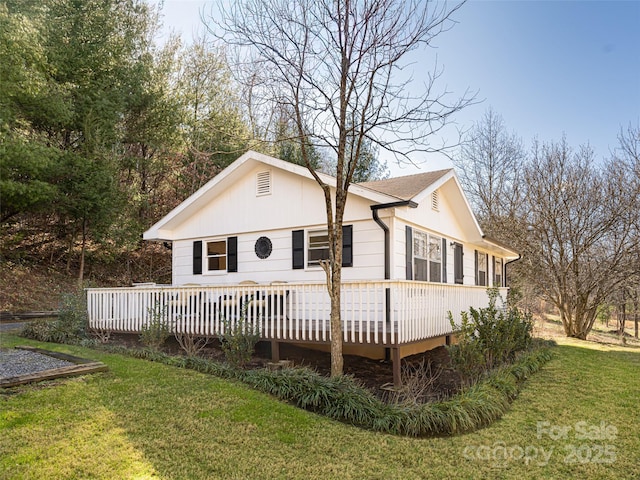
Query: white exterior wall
(295, 203)
(444, 223)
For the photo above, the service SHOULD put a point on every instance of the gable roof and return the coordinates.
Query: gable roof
(408, 186)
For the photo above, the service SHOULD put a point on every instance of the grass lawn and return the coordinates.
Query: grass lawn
(144, 420)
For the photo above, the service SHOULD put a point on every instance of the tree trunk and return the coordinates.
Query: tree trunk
(337, 360)
(82, 250)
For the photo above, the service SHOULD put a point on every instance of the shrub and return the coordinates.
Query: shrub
(489, 337)
(239, 339)
(72, 321)
(69, 327)
(417, 383)
(191, 343)
(39, 329)
(156, 331)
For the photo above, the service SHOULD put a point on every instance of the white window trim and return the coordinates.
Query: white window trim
(308, 234)
(205, 256)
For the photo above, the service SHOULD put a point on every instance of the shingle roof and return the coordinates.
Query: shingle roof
(405, 187)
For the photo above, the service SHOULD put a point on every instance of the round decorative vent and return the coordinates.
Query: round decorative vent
(263, 247)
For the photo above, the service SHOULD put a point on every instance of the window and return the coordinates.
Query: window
(427, 257)
(318, 247)
(497, 272)
(217, 255)
(420, 256)
(435, 259)
(481, 269)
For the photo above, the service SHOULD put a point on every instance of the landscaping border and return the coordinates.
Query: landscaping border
(343, 399)
(80, 366)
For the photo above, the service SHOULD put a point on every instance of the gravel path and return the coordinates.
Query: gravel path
(17, 362)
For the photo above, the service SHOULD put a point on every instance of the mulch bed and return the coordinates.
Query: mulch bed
(375, 375)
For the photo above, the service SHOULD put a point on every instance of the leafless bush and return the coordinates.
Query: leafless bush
(102, 335)
(191, 343)
(418, 382)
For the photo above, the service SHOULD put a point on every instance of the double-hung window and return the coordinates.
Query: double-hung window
(216, 255)
(482, 265)
(318, 243)
(435, 258)
(420, 256)
(427, 257)
(497, 272)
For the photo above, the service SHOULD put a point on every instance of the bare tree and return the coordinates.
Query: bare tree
(627, 162)
(581, 231)
(489, 166)
(340, 67)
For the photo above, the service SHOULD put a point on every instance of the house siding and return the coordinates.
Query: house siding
(234, 208)
(368, 258)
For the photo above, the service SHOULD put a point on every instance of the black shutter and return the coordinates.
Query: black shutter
(347, 245)
(486, 274)
(493, 269)
(444, 260)
(409, 252)
(475, 257)
(297, 249)
(458, 265)
(197, 257)
(232, 254)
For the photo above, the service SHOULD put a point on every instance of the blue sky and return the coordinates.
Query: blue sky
(550, 68)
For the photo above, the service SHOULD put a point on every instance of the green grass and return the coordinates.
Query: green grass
(148, 420)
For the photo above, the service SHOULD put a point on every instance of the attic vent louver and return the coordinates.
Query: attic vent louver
(263, 183)
(435, 200)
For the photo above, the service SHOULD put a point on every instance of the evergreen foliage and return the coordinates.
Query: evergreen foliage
(489, 337)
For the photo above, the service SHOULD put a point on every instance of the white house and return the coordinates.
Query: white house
(413, 251)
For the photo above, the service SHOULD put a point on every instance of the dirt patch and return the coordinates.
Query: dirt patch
(375, 375)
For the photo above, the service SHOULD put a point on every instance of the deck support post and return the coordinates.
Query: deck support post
(275, 351)
(396, 363)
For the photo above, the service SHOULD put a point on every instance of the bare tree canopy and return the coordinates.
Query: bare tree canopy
(489, 166)
(581, 231)
(342, 69)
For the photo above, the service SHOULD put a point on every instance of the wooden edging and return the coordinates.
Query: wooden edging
(82, 366)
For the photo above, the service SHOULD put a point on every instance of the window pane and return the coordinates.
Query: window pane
(435, 272)
(420, 245)
(318, 239)
(318, 254)
(217, 248)
(435, 248)
(217, 263)
(482, 262)
(421, 270)
(217, 255)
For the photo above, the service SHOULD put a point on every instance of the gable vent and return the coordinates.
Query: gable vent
(263, 183)
(435, 200)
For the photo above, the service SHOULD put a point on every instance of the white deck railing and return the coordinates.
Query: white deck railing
(291, 311)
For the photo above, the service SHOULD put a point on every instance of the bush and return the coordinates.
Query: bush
(191, 343)
(489, 337)
(39, 329)
(69, 327)
(238, 342)
(156, 331)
